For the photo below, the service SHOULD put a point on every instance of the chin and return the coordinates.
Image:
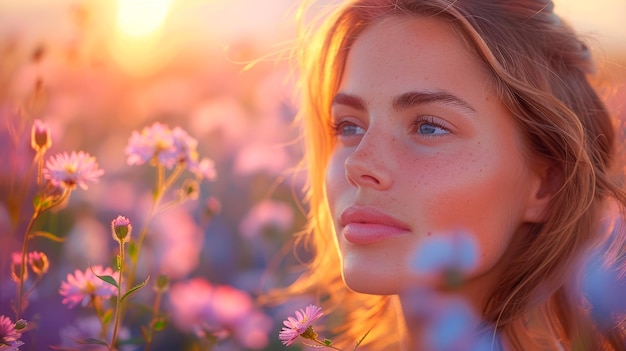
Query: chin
(372, 282)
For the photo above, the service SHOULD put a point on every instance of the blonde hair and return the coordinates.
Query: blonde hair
(540, 68)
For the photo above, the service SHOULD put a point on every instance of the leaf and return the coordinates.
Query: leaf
(47, 235)
(91, 341)
(105, 278)
(108, 317)
(159, 324)
(135, 288)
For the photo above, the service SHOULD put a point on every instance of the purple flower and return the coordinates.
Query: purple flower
(185, 147)
(153, 143)
(81, 287)
(71, 170)
(9, 336)
(295, 327)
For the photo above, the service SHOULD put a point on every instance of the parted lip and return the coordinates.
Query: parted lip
(369, 215)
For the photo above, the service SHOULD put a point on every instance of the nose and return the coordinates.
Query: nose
(369, 164)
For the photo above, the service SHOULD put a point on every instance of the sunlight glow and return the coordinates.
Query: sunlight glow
(141, 44)
(137, 18)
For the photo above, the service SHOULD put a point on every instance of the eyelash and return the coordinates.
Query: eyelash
(420, 120)
(335, 126)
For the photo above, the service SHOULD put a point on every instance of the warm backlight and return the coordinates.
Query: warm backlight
(137, 18)
(139, 44)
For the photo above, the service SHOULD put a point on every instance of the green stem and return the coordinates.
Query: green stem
(118, 305)
(155, 312)
(325, 345)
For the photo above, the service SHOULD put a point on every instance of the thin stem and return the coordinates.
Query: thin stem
(20, 284)
(155, 311)
(326, 345)
(118, 305)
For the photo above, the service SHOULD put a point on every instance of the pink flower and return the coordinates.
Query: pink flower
(220, 310)
(267, 215)
(295, 327)
(9, 336)
(82, 287)
(71, 170)
(205, 169)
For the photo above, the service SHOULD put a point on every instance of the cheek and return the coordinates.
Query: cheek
(335, 180)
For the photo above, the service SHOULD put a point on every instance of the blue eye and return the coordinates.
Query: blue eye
(429, 129)
(429, 126)
(343, 128)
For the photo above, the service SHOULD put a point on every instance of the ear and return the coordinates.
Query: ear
(547, 180)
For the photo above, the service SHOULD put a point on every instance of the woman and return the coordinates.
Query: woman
(429, 117)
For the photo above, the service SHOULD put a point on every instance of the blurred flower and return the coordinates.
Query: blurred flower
(40, 136)
(301, 325)
(16, 267)
(259, 157)
(153, 143)
(267, 214)
(86, 328)
(185, 147)
(205, 169)
(72, 170)
(449, 323)
(190, 189)
(176, 243)
(9, 336)
(219, 310)
(121, 229)
(38, 262)
(604, 285)
(212, 206)
(447, 256)
(81, 287)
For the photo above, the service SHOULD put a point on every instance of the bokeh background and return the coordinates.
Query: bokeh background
(96, 70)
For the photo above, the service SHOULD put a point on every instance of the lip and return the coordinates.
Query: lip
(368, 225)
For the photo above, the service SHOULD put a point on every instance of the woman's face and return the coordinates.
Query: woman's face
(424, 147)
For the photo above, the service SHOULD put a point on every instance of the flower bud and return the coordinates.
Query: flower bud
(38, 262)
(16, 267)
(20, 324)
(162, 283)
(40, 136)
(189, 190)
(121, 229)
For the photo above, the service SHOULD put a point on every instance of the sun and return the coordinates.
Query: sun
(139, 44)
(138, 18)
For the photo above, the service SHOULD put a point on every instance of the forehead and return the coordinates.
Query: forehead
(401, 53)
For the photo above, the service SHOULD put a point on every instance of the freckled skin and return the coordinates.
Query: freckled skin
(473, 178)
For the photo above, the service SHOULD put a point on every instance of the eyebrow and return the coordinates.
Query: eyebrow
(407, 100)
